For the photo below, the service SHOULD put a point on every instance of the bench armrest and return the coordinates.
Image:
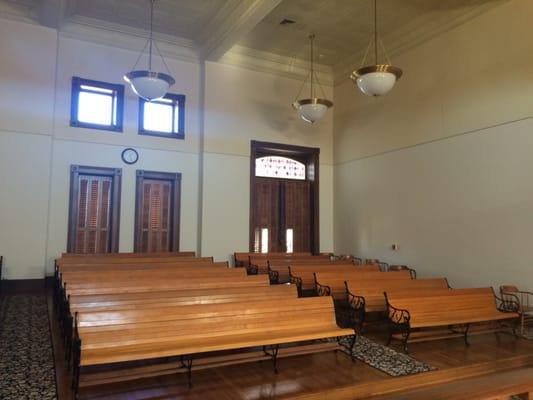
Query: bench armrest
(296, 280)
(252, 269)
(357, 303)
(322, 290)
(509, 302)
(273, 275)
(398, 316)
(357, 261)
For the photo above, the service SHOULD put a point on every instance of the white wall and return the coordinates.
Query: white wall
(38, 145)
(442, 165)
(243, 105)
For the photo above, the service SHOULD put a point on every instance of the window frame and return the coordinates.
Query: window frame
(178, 101)
(118, 90)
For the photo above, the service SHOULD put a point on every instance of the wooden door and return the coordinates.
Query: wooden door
(93, 210)
(157, 212)
(297, 216)
(266, 216)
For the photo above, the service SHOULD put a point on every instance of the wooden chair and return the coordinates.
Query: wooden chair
(455, 309)
(187, 332)
(524, 300)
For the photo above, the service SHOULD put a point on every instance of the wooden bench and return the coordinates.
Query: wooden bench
(493, 386)
(190, 331)
(258, 264)
(128, 260)
(304, 275)
(455, 309)
(278, 270)
(98, 268)
(242, 258)
(132, 254)
(366, 295)
(127, 301)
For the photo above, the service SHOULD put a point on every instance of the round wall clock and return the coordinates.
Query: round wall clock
(130, 156)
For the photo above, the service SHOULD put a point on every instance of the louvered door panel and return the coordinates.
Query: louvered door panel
(94, 216)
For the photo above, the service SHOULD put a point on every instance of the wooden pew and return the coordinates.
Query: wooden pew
(133, 254)
(408, 311)
(197, 282)
(172, 272)
(304, 275)
(242, 258)
(189, 331)
(278, 270)
(367, 295)
(179, 297)
(128, 260)
(258, 264)
(99, 268)
(495, 386)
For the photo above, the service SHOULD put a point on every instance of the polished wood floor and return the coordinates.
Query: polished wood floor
(329, 375)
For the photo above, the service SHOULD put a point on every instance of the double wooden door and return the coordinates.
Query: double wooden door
(282, 215)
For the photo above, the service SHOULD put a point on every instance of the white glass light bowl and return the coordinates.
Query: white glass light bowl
(149, 85)
(376, 80)
(312, 110)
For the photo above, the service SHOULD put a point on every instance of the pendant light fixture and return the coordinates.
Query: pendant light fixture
(148, 84)
(377, 79)
(312, 109)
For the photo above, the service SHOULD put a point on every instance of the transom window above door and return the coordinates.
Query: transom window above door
(279, 167)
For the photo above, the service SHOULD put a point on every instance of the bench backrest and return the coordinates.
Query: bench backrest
(454, 303)
(306, 273)
(133, 275)
(133, 254)
(281, 267)
(128, 260)
(200, 320)
(372, 290)
(242, 259)
(180, 297)
(139, 267)
(96, 288)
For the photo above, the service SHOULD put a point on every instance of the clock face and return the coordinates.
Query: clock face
(130, 156)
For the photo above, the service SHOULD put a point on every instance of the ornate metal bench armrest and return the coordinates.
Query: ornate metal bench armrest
(252, 270)
(296, 280)
(357, 261)
(383, 266)
(412, 272)
(273, 275)
(322, 290)
(397, 316)
(508, 303)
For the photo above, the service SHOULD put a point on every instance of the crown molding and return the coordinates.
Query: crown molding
(287, 67)
(18, 12)
(127, 37)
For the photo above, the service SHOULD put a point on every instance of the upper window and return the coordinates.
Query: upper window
(163, 117)
(279, 167)
(96, 105)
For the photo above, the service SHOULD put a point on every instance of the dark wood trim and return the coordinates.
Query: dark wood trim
(310, 156)
(179, 103)
(116, 175)
(118, 90)
(175, 178)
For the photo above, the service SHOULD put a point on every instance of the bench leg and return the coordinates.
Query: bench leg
(354, 341)
(274, 355)
(187, 363)
(405, 336)
(76, 356)
(466, 334)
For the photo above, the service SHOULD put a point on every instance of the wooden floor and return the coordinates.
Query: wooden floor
(328, 376)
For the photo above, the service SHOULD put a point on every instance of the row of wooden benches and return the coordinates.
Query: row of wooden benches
(126, 312)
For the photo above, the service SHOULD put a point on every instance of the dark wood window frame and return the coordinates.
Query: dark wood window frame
(307, 155)
(118, 93)
(176, 195)
(116, 175)
(178, 102)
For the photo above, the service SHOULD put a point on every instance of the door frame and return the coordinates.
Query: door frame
(175, 177)
(116, 175)
(310, 157)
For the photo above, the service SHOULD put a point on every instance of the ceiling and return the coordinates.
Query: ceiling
(344, 27)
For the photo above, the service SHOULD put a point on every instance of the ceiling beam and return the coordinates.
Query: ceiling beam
(52, 13)
(229, 25)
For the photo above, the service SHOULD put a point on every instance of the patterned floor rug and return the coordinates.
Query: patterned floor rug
(26, 357)
(384, 358)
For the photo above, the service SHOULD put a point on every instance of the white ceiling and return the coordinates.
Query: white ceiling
(343, 28)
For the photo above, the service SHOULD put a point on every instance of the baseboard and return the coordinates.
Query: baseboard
(15, 286)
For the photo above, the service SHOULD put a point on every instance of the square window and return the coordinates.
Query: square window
(163, 117)
(96, 105)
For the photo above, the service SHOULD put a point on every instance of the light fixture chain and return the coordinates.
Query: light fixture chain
(320, 86)
(152, 2)
(367, 51)
(385, 52)
(312, 37)
(302, 86)
(141, 54)
(376, 30)
(162, 58)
